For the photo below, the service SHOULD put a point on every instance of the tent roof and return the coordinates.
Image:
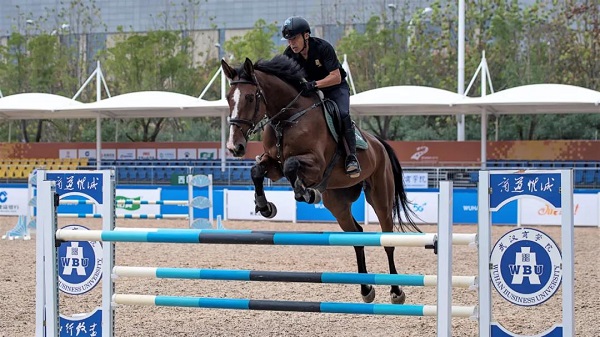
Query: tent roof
(147, 104)
(33, 105)
(406, 100)
(538, 98)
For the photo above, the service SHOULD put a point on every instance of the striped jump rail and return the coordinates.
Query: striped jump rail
(461, 239)
(297, 306)
(285, 276)
(128, 202)
(124, 216)
(198, 202)
(211, 236)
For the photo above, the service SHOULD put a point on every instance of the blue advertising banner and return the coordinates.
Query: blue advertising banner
(465, 209)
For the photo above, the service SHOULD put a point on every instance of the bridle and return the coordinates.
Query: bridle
(258, 95)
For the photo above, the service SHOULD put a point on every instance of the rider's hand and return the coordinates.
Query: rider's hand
(309, 86)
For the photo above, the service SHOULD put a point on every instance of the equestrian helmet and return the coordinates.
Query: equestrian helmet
(293, 26)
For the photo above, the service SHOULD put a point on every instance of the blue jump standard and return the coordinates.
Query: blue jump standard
(277, 276)
(271, 305)
(227, 237)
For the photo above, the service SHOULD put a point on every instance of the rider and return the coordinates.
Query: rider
(324, 72)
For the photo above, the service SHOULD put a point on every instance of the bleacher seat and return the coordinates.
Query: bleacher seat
(589, 176)
(143, 174)
(121, 174)
(578, 177)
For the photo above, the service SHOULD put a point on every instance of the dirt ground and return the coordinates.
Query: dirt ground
(17, 287)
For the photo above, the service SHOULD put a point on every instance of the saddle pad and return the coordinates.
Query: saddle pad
(360, 141)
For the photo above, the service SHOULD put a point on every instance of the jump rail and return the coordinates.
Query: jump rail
(129, 202)
(285, 276)
(211, 236)
(272, 305)
(124, 216)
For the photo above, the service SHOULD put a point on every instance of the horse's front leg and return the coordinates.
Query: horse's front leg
(265, 168)
(291, 169)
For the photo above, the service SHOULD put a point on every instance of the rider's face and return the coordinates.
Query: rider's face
(296, 43)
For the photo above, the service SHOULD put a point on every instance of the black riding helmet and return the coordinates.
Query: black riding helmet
(293, 26)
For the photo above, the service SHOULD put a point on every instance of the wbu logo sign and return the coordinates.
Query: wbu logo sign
(74, 260)
(80, 266)
(526, 267)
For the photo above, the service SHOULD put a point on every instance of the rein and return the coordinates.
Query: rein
(255, 127)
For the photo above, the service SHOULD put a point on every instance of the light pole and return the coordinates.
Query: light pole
(393, 8)
(218, 46)
(460, 122)
(411, 26)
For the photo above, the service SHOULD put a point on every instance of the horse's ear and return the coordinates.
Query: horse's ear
(230, 73)
(248, 67)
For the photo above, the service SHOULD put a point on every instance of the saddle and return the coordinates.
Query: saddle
(332, 116)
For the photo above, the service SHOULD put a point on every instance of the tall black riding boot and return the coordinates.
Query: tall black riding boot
(352, 165)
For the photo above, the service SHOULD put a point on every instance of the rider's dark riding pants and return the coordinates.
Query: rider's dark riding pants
(341, 96)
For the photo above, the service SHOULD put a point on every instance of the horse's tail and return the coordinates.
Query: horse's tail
(401, 202)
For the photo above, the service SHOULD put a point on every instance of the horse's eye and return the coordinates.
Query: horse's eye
(250, 98)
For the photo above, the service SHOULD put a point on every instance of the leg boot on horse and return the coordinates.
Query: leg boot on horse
(352, 165)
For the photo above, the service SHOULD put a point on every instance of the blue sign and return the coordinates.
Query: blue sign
(507, 186)
(79, 265)
(89, 325)
(526, 267)
(3, 197)
(89, 184)
(465, 209)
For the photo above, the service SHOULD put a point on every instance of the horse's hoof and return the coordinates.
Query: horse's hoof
(270, 212)
(370, 297)
(398, 299)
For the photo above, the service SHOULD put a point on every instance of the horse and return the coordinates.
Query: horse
(267, 97)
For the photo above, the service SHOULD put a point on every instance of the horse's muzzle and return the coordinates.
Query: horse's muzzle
(237, 150)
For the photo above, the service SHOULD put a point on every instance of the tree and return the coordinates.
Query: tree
(255, 44)
(155, 61)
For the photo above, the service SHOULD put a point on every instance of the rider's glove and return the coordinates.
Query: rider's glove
(309, 86)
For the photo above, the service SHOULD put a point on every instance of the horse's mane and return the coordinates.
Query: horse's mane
(281, 66)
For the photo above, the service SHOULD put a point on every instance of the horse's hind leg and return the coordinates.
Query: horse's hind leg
(339, 203)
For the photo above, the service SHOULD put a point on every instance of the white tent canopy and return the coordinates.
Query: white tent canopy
(150, 104)
(405, 100)
(35, 106)
(537, 99)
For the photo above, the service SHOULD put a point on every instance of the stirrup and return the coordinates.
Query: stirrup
(352, 167)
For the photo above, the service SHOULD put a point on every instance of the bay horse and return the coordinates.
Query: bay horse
(267, 97)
